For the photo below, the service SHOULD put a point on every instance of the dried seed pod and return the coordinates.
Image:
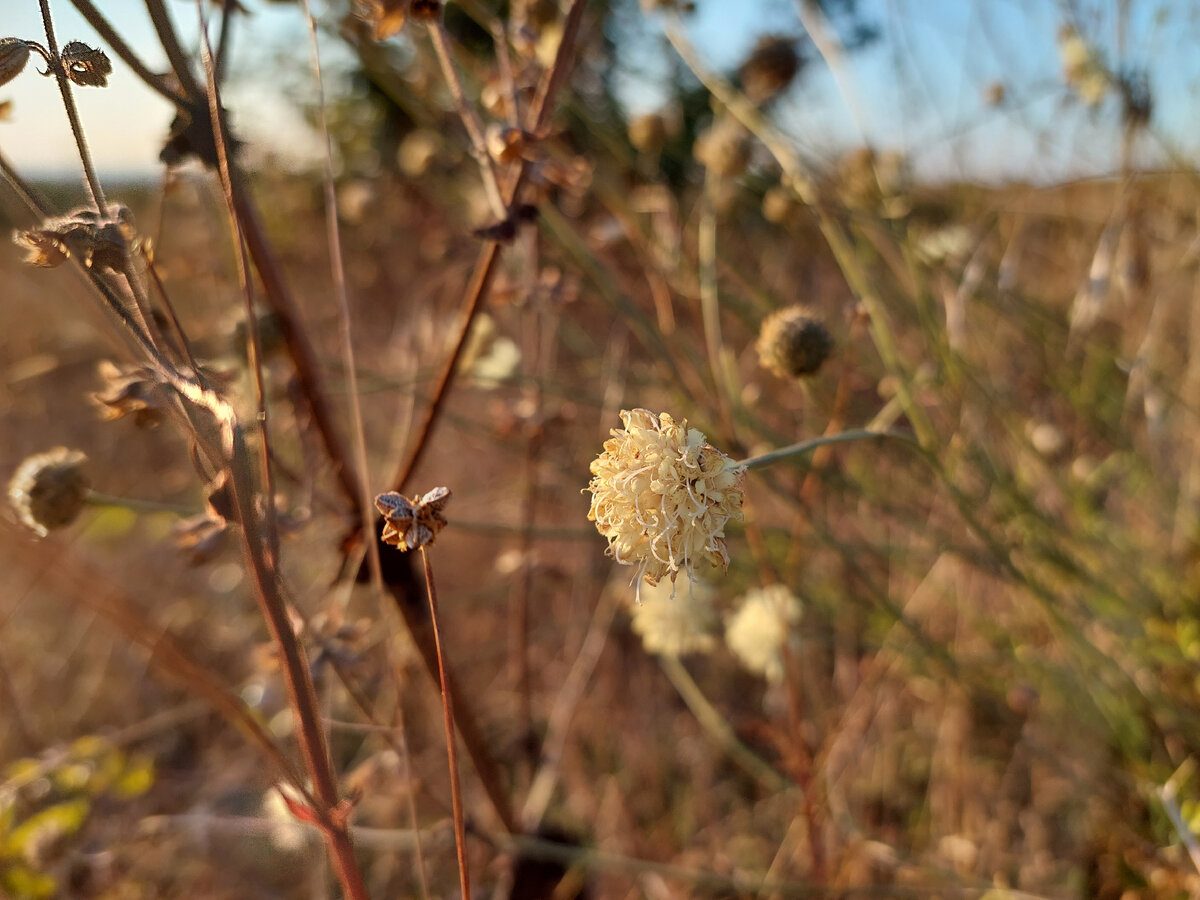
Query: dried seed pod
(425, 10)
(14, 53)
(49, 490)
(724, 148)
(506, 144)
(792, 343)
(386, 17)
(770, 68)
(412, 523)
(99, 243)
(42, 248)
(84, 65)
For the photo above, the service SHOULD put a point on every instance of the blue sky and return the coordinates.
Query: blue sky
(920, 89)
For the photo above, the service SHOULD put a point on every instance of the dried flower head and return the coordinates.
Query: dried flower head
(661, 496)
(86, 66)
(724, 148)
(648, 132)
(769, 68)
(412, 523)
(14, 54)
(507, 144)
(49, 490)
(792, 343)
(757, 631)
(674, 621)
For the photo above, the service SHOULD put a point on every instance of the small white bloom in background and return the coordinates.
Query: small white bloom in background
(676, 620)
(756, 633)
(286, 832)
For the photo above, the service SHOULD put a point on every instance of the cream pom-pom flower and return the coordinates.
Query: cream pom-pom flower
(661, 495)
(756, 632)
(676, 621)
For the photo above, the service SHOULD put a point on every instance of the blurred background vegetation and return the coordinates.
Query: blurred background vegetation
(987, 685)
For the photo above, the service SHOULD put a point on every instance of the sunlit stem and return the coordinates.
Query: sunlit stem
(859, 434)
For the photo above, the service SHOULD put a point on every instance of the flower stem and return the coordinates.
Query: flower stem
(64, 87)
(803, 447)
(460, 835)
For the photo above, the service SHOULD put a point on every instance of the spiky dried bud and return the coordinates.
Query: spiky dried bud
(661, 495)
(769, 68)
(14, 53)
(412, 523)
(724, 148)
(49, 490)
(792, 343)
(86, 66)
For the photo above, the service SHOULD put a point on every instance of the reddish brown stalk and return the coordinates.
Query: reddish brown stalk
(485, 266)
(460, 834)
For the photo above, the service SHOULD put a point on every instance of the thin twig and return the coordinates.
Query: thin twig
(64, 87)
(460, 836)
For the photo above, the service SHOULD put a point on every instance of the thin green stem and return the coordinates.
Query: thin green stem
(858, 434)
(714, 723)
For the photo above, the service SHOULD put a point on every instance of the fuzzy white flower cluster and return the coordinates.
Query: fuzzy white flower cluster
(675, 621)
(661, 496)
(757, 631)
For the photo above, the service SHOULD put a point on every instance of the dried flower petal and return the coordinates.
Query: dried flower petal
(86, 66)
(98, 242)
(412, 523)
(661, 496)
(49, 490)
(14, 53)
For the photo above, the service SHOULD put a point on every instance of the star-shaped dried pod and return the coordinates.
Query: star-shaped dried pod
(14, 53)
(86, 66)
(412, 523)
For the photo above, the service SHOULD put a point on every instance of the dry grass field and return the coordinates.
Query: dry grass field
(955, 652)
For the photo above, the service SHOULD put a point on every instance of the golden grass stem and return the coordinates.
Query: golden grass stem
(803, 447)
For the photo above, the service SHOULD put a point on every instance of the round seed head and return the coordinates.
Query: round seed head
(724, 148)
(769, 68)
(86, 66)
(661, 496)
(14, 54)
(648, 132)
(49, 490)
(792, 343)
